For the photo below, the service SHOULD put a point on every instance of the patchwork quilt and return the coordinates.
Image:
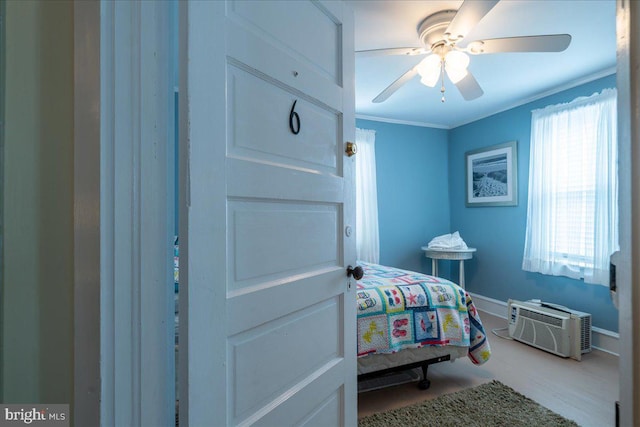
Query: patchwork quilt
(400, 309)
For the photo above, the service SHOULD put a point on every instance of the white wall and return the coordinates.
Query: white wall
(37, 274)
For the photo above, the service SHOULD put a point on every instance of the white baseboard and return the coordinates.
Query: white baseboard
(601, 339)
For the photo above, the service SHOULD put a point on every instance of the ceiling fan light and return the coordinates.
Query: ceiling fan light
(429, 70)
(457, 59)
(456, 64)
(430, 81)
(455, 74)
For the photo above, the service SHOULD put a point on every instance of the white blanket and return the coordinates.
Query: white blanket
(448, 241)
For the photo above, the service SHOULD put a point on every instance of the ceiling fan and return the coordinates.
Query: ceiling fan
(441, 35)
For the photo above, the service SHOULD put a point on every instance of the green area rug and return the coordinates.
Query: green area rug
(491, 404)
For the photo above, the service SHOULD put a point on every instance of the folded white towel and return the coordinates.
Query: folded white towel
(448, 241)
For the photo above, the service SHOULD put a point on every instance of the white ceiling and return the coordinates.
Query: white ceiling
(508, 79)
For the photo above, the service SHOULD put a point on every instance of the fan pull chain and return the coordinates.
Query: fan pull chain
(442, 75)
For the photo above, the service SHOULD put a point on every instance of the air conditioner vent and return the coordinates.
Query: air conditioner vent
(541, 317)
(585, 334)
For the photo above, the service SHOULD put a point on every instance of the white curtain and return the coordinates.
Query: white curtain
(573, 189)
(367, 237)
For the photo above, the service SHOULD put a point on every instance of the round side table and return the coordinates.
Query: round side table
(450, 254)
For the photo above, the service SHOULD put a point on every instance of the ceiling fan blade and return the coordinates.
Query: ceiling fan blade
(409, 51)
(469, 87)
(393, 87)
(469, 14)
(546, 43)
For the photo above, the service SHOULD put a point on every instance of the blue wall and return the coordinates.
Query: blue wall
(413, 193)
(499, 232)
(421, 194)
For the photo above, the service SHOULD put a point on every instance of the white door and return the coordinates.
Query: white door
(267, 311)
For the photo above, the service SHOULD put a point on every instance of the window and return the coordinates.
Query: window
(572, 216)
(367, 235)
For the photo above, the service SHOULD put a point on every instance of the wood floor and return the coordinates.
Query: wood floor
(583, 391)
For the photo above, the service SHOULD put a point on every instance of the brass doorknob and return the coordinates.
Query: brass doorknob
(351, 149)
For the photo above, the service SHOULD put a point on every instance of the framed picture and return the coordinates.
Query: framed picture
(492, 175)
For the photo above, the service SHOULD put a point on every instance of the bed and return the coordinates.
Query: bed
(408, 320)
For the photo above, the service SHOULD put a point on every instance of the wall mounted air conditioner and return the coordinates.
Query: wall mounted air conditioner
(550, 327)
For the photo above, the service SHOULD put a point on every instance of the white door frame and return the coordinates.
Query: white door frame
(628, 269)
(124, 225)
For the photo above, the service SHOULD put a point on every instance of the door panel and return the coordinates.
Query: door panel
(270, 310)
(260, 131)
(253, 52)
(256, 387)
(312, 35)
(305, 409)
(319, 283)
(270, 241)
(310, 406)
